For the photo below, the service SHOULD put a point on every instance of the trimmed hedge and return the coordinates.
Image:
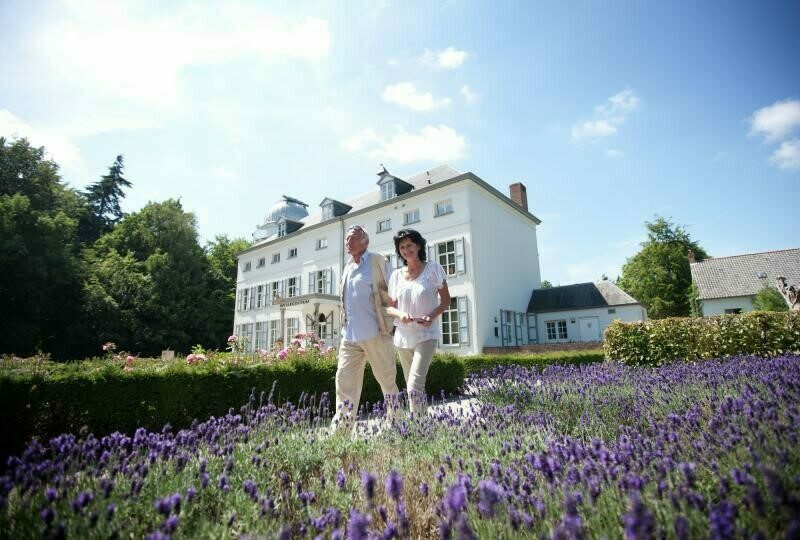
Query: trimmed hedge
(659, 341)
(45, 399)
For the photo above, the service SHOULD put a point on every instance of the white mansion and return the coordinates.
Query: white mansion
(288, 280)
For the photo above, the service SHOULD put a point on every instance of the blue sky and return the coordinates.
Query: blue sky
(609, 112)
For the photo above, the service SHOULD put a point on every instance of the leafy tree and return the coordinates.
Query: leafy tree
(546, 284)
(103, 199)
(162, 293)
(659, 276)
(695, 310)
(40, 266)
(769, 299)
(221, 255)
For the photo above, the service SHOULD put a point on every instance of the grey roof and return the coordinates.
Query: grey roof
(579, 296)
(738, 275)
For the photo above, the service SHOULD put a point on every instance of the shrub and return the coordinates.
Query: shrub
(656, 342)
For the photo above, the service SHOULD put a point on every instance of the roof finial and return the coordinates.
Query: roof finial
(383, 171)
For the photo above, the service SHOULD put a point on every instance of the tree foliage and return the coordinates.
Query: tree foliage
(658, 276)
(546, 284)
(75, 272)
(770, 299)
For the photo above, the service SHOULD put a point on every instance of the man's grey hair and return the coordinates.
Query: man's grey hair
(362, 230)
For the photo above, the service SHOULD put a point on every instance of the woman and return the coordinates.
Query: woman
(418, 294)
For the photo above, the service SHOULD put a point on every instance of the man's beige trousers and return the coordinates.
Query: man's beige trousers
(353, 356)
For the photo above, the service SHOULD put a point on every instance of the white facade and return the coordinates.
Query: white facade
(721, 306)
(486, 241)
(584, 324)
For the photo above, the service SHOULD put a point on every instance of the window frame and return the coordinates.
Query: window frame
(262, 262)
(292, 253)
(449, 317)
(381, 229)
(322, 243)
(276, 258)
(443, 207)
(406, 215)
(246, 267)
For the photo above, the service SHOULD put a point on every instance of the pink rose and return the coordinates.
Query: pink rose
(232, 339)
(282, 354)
(191, 359)
(296, 341)
(329, 349)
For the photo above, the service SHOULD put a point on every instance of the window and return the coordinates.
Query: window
(261, 296)
(518, 327)
(252, 304)
(443, 207)
(450, 255)
(292, 253)
(612, 310)
(324, 327)
(247, 266)
(557, 329)
(384, 225)
(281, 229)
(274, 332)
(733, 311)
(327, 212)
(320, 282)
(506, 322)
(387, 191)
(276, 258)
(245, 298)
(261, 262)
(275, 289)
(410, 217)
(292, 327)
(322, 243)
(261, 336)
(455, 324)
(293, 286)
(247, 336)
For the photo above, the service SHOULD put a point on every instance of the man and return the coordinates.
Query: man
(365, 334)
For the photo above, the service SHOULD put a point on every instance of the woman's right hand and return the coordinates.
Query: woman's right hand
(406, 318)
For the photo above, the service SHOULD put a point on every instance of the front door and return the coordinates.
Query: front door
(590, 328)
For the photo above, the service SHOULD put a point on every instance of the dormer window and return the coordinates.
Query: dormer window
(327, 211)
(391, 186)
(387, 191)
(332, 208)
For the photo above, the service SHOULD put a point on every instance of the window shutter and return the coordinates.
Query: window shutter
(460, 264)
(463, 321)
(327, 282)
(282, 288)
(298, 288)
(432, 253)
(252, 297)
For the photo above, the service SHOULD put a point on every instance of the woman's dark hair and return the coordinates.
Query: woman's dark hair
(415, 237)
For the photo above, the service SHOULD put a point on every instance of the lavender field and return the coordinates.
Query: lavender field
(682, 451)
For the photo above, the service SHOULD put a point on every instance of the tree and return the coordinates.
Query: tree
(163, 294)
(221, 255)
(769, 299)
(103, 198)
(40, 266)
(659, 276)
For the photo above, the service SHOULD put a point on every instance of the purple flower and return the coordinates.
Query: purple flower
(423, 489)
(394, 485)
(639, 522)
(455, 499)
(48, 515)
(368, 482)
(357, 526)
(489, 494)
(170, 524)
(340, 479)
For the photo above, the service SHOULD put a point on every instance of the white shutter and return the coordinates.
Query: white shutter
(311, 282)
(432, 253)
(282, 290)
(460, 264)
(252, 297)
(463, 321)
(327, 282)
(298, 289)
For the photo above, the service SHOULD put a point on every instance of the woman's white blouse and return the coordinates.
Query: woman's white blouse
(418, 298)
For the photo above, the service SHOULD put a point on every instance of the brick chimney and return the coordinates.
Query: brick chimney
(519, 195)
(690, 255)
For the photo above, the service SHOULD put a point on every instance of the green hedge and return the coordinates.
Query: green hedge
(656, 342)
(45, 399)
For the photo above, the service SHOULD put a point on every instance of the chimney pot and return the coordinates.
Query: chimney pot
(691, 257)
(519, 195)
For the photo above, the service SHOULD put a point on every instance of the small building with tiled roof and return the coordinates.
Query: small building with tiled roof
(581, 312)
(730, 284)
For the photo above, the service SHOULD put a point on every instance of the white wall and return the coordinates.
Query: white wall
(629, 313)
(506, 261)
(717, 306)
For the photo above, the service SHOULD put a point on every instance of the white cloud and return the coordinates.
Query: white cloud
(407, 95)
(58, 147)
(777, 120)
(469, 96)
(433, 143)
(106, 48)
(607, 117)
(593, 130)
(613, 153)
(450, 58)
(787, 156)
(224, 173)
